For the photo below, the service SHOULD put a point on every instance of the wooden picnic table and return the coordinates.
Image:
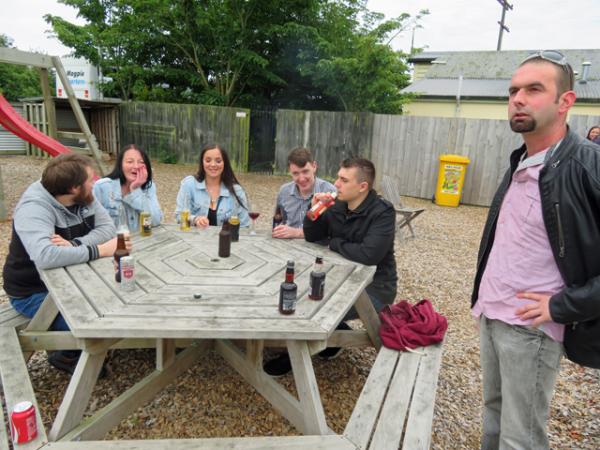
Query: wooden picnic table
(238, 301)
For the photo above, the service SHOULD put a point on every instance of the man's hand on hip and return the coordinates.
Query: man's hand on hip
(539, 310)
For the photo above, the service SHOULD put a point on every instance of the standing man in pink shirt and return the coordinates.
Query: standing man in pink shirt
(537, 287)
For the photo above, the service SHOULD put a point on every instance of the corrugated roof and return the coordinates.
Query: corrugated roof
(448, 87)
(486, 74)
(494, 65)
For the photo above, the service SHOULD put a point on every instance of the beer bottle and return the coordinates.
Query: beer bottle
(320, 207)
(145, 218)
(277, 217)
(317, 280)
(225, 241)
(288, 291)
(120, 252)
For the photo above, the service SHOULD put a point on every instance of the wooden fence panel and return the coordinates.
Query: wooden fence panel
(104, 124)
(177, 132)
(408, 149)
(331, 136)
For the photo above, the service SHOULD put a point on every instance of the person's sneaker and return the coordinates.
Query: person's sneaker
(279, 366)
(333, 352)
(66, 360)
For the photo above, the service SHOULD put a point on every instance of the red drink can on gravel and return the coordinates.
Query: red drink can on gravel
(23, 425)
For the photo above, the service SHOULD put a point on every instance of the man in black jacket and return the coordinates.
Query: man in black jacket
(360, 226)
(538, 274)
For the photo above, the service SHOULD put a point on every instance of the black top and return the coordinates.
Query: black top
(365, 235)
(212, 217)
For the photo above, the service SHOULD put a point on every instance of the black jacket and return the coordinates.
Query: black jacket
(570, 196)
(365, 235)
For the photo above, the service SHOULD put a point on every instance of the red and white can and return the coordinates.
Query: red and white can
(23, 425)
(127, 264)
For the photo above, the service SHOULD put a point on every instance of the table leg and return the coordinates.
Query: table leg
(78, 394)
(254, 353)
(369, 318)
(273, 392)
(165, 353)
(306, 384)
(44, 316)
(42, 319)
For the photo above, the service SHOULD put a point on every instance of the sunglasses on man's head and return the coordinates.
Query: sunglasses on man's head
(552, 56)
(555, 57)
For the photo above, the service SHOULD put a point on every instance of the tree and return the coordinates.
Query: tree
(115, 39)
(322, 54)
(17, 81)
(352, 61)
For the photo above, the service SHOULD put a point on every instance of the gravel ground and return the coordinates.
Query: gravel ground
(211, 400)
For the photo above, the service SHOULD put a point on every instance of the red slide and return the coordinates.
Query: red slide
(13, 122)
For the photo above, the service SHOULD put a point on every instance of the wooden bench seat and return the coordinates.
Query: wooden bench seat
(395, 407)
(16, 387)
(9, 317)
(332, 442)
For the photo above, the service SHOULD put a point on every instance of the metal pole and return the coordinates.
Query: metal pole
(499, 47)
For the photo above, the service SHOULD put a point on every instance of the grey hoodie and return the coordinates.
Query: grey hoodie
(37, 217)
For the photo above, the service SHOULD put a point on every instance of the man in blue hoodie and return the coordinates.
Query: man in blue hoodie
(56, 223)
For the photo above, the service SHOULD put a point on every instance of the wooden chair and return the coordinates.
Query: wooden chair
(404, 215)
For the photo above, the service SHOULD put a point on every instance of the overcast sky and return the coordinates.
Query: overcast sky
(451, 24)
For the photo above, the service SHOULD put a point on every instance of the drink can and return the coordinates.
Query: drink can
(23, 425)
(127, 273)
(184, 220)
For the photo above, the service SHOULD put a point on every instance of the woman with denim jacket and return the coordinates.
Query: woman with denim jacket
(213, 194)
(129, 185)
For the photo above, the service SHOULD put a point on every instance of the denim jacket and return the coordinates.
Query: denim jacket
(108, 192)
(199, 201)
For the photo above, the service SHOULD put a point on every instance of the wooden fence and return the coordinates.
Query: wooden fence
(331, 136)
(177, 132)
(408, 148)
(35, 113)
(104, 124)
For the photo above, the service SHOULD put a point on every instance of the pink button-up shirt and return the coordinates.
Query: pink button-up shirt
(521, 259)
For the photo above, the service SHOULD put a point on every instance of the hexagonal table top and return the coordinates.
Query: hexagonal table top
(185, 290)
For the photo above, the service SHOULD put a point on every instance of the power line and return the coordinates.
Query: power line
(505, 7)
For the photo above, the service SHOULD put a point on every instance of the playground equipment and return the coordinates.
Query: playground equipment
(13, 122)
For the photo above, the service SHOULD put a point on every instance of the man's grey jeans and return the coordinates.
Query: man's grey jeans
(520, 365)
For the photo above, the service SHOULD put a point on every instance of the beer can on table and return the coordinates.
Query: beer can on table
(127, 273)
(23, 425)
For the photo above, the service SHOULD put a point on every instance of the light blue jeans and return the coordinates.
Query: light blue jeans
(520, 365)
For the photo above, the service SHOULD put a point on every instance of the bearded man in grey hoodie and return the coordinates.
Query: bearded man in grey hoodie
(57, 222)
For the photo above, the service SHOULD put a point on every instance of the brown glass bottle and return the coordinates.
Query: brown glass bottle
(288, 291)
(224, 241)
(317, 280)
(277, 217)
(119, 253)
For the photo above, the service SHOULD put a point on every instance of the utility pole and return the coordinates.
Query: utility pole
(505, 7)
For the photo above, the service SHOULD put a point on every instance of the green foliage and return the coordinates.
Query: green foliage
(17, 81)
(313, 54)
